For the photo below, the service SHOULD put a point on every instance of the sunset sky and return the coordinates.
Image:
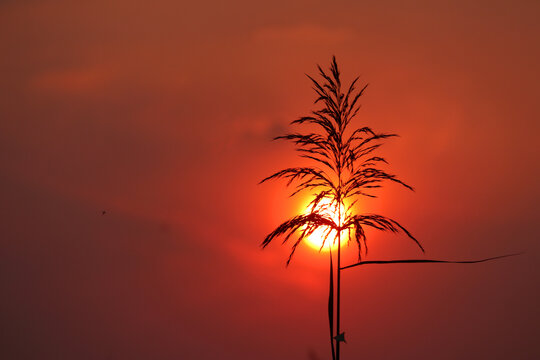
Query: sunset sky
(161, 114)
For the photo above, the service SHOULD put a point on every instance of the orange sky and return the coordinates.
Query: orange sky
(161, 114)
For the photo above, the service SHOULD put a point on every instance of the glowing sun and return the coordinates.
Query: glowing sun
(316, 239)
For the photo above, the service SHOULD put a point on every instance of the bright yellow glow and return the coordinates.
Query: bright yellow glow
(315, 240)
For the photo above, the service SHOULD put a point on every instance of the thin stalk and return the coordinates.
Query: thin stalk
(338, 290)
(338, 295)
(331, 307)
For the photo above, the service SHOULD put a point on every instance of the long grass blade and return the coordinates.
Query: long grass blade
(418, 261)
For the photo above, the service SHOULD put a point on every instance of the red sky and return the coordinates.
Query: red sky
(161, 113)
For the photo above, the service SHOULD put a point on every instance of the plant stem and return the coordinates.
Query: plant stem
(331, 307)
(338, 290)
(338, 294)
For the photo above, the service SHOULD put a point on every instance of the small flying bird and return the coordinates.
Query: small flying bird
(340, 337)
(103, 212)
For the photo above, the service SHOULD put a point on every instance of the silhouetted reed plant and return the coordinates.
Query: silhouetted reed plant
(345, 168)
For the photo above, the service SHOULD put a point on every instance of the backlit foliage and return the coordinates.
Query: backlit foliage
(345, 167)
